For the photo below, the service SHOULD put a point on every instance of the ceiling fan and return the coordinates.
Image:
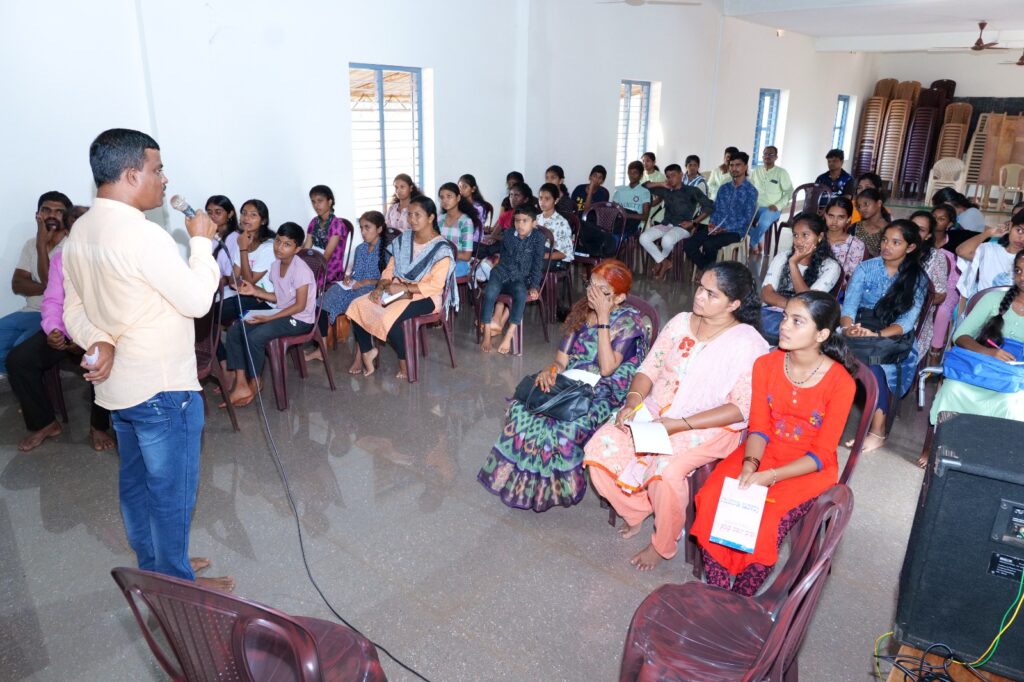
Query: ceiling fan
(979, 44)
(641, 3)
(1019, 62)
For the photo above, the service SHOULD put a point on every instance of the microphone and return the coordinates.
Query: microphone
(178, 203)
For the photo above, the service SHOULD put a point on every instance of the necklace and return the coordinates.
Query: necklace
(714, 336)
(789, 373)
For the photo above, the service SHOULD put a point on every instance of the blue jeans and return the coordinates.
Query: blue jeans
(763, 219)
(515, 288)
(158, 441)
(14, 329)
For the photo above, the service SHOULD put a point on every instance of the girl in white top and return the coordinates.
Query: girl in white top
(989, 264)
(556, 222)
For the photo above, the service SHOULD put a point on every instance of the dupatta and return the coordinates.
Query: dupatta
(412, 268)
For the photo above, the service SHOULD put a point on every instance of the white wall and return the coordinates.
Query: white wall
(976, 74)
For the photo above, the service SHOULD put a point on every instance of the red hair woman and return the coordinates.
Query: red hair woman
(537, 462)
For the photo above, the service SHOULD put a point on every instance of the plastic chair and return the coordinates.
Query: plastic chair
(55, 391)
(608, 217)
(279, 347)
(699, 632)
(208, 331)
(1011, 181)
(896, 401)
(865, 378)
(414, 329)
(814, 199)
(948, 172)
(216, 636)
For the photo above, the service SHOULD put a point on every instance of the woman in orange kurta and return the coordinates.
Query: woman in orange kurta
(421, 263)
(802, 394)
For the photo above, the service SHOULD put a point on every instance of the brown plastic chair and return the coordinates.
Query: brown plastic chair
(699, 632)
(608, 217)
(414, 329)
(814, 199)
(215, 636)
(278, 348)
(208, 330)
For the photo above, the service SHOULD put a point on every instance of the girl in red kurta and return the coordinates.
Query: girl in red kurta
(802, 394)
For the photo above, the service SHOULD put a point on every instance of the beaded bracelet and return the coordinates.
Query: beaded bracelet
(775, 477)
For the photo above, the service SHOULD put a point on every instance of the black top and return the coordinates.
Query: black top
(521, 259)
(579, 196)
(681, 203)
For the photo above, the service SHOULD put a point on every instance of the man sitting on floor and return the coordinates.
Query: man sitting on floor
(835, 178)
(31, 272)
(681, 206)
(774, 190)
(734, 208)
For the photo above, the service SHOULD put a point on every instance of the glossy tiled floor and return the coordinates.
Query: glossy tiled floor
(401, 537)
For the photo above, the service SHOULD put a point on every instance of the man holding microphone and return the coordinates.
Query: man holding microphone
(130, 302)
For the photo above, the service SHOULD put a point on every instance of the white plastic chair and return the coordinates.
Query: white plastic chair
(947, 172)
(1011, 181)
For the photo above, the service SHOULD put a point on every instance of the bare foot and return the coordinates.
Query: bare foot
(199, 563)
(100, 440)
(922, 461)
(506, 341)
(403, 370)
(224, 583)
(369, 367)
(627, 531)
(241, 396)
(873, 442)
(666, 265)
(485, 344)
(37, 438)
(356, 368)
(646, 559)
(314, 355)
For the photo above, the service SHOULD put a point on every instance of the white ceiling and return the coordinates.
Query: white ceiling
(888, 25)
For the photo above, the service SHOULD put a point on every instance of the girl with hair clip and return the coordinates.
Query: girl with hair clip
(809, 266)
(996, 317)
(987, 264)
(327, 233)
(696, 382)
(872, 221)
(802, 395)
(537, 462)
(940, 266)
(459, 222)
(880, 313)
(251, 260)
(398, 212)
(468, 190)
(563, 202)
(846, 248)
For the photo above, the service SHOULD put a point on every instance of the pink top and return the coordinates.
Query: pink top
(53, 297)
(297, 275)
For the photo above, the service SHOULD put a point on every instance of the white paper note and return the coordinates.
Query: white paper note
(391, 298)
(251, 314)
(650, 438)
(582, 375)
(344, 285)
(738, 516)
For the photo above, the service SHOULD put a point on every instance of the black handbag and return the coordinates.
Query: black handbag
(568, 399)
(878, 350)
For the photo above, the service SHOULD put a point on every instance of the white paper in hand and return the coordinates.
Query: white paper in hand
(582, 375)
(391, 298)
(738, 516)
(93, 357)
(252, 314)
(650, 438)
(344, 285)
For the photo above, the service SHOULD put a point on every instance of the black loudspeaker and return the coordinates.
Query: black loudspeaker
(965, 557)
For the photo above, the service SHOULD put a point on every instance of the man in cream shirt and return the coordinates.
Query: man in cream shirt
(131, 300)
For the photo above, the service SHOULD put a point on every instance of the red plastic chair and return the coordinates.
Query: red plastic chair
(279, 347)
(415, 329)
(866, 379)
(699, 632)
(814, 198)
(215, 636)
(208, 330)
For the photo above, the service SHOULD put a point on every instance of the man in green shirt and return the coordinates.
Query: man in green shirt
(774, 191)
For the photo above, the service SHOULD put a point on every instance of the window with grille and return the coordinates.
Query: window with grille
(634, 105)
(839, 127)
(767, 118)
(387, 130)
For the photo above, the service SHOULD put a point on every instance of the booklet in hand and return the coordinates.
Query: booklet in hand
(388, 299)
(738, 516)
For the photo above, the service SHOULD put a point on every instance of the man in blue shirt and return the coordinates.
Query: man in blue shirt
(734, 209)
(836, 179)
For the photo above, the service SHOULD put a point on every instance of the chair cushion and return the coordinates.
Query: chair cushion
(344, 655)
(696, 632)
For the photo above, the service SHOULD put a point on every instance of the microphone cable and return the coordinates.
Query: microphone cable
(276, 457)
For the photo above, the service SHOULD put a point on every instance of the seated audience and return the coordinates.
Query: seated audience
(369, 261)
(652, 174)
(880, 313)
(866, 181)
(808, 267)
(511, 180)
(422, 263)
(222, 213)
(634, 198)
(847, 249)
(873, 221)
(987, 264)
(398, 212)
(550, 218)
(32, 270)
(469, 190)
(838, 181)
(940, 266)
(802, 394)
(294, 307)
(327, 232)
(458, 221)
(774, 193)
(251, 260)
(693, 178)
(685, 206)
(537, 462)
(720, 175)
(519, 195)
(696, 382)
(945, 220)
(519, 273)
(593, 192)
(734, 208)
(563, 203)
(968, 215)
(29, 361)
(997, 316)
